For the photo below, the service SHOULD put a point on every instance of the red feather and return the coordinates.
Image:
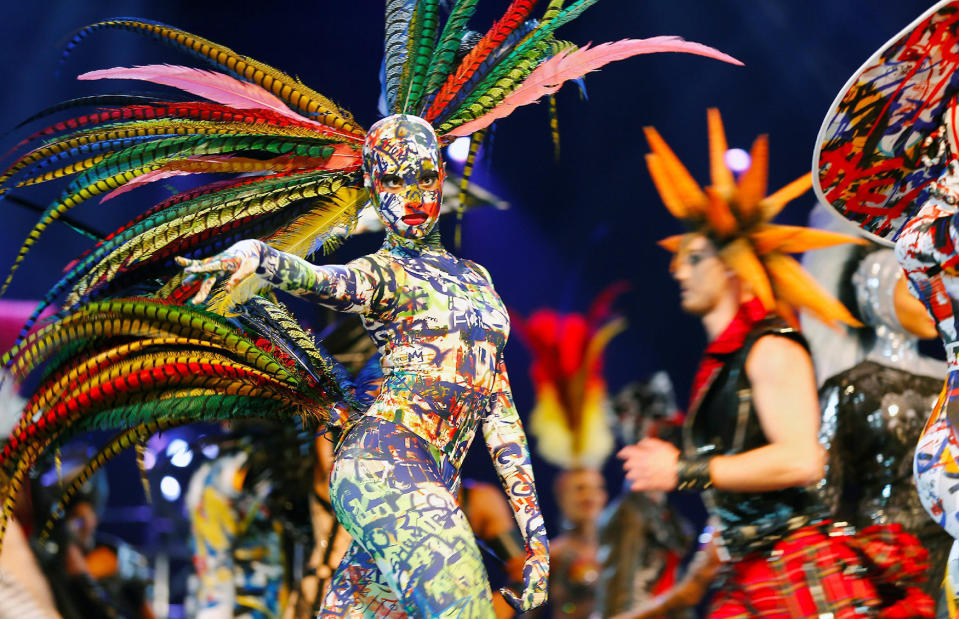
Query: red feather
(515, 15)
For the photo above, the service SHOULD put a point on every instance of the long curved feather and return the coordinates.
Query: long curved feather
(549, 77)
(211, 85)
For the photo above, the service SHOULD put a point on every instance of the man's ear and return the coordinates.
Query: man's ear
(367, 181)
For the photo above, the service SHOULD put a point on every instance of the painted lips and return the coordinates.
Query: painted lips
(414, 219)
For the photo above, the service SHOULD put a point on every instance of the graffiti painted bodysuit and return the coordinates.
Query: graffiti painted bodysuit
(440, 328)
(926, 249)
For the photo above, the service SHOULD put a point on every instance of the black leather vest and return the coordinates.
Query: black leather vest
(725, 422)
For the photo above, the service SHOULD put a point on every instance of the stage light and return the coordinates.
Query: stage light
(178, 451)
(459, 150)
(211, 451)
(149, 458)
(737, 160)
(170, 488)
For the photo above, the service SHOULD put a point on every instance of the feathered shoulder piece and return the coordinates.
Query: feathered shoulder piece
(736, 216)
(572, 415)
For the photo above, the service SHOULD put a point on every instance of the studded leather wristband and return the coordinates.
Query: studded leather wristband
(693, 474)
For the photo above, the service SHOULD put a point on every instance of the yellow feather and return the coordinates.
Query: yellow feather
(297, 238)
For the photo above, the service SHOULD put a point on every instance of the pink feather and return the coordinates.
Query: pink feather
(144, 179)
(217, 87)
(549, 76)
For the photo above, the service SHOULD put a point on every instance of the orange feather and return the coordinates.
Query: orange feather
(771, 205)
(739, 257)
(752, 184)
(685, 186)
(719, 172)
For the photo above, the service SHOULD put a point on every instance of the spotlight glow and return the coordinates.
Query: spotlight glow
(459, 150)
(211, 451)
(149, 459)
(737, 160)
(179, 453)
(170, 488)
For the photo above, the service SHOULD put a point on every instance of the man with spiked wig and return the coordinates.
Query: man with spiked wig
(750, 439)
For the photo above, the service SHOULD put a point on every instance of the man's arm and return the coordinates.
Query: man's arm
(784, 395)
(507, 446)
(783, 387)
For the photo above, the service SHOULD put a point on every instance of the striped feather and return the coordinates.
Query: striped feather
(333, 218)
(515, 14)
(449, 42)
(288, 89)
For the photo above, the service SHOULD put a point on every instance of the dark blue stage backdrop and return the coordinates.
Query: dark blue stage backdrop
(575, 225)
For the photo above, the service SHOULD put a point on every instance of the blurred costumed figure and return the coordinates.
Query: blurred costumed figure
(143, 364)
(873, 413)
(892, 168)
(750, 438)
(570, 421)
(642, 537)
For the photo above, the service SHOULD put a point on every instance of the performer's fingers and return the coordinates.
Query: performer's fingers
(209, 266)
(247, 268)
(204, 290)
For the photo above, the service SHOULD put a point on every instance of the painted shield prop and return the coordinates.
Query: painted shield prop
(868, 163)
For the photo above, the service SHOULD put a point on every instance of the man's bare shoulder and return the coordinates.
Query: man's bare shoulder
(776, 357)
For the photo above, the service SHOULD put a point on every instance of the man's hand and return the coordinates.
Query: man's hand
(535, 582)
(241, 259)
(650, 464)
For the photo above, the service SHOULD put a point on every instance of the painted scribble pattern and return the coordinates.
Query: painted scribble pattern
(927, 251)
(870, 148)
(441, 330)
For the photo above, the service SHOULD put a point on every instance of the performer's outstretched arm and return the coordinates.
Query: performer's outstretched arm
(359, 286)
(506, 442)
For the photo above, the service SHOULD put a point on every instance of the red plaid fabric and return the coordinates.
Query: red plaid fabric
(808, 574)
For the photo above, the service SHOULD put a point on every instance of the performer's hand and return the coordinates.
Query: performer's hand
(650, 464)
(535, 582)
(241, 259)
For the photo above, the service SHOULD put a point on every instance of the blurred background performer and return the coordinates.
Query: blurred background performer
(643, 538)
(571, 424)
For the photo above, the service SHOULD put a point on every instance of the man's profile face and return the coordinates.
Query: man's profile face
(702, 276)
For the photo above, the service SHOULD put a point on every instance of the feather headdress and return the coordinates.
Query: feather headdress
(736, 215)
(120, 353)
(572, 415)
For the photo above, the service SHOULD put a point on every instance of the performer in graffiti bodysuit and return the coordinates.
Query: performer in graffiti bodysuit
(891, 168)
(441, 330)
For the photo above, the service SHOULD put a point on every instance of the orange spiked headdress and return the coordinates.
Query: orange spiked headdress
(735, 215)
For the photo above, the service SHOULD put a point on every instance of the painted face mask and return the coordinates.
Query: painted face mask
(403, 169)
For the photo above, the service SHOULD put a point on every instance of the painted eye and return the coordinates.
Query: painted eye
(391, 181)
(429, 180)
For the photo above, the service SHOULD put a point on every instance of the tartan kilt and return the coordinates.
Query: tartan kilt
(807, 574)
